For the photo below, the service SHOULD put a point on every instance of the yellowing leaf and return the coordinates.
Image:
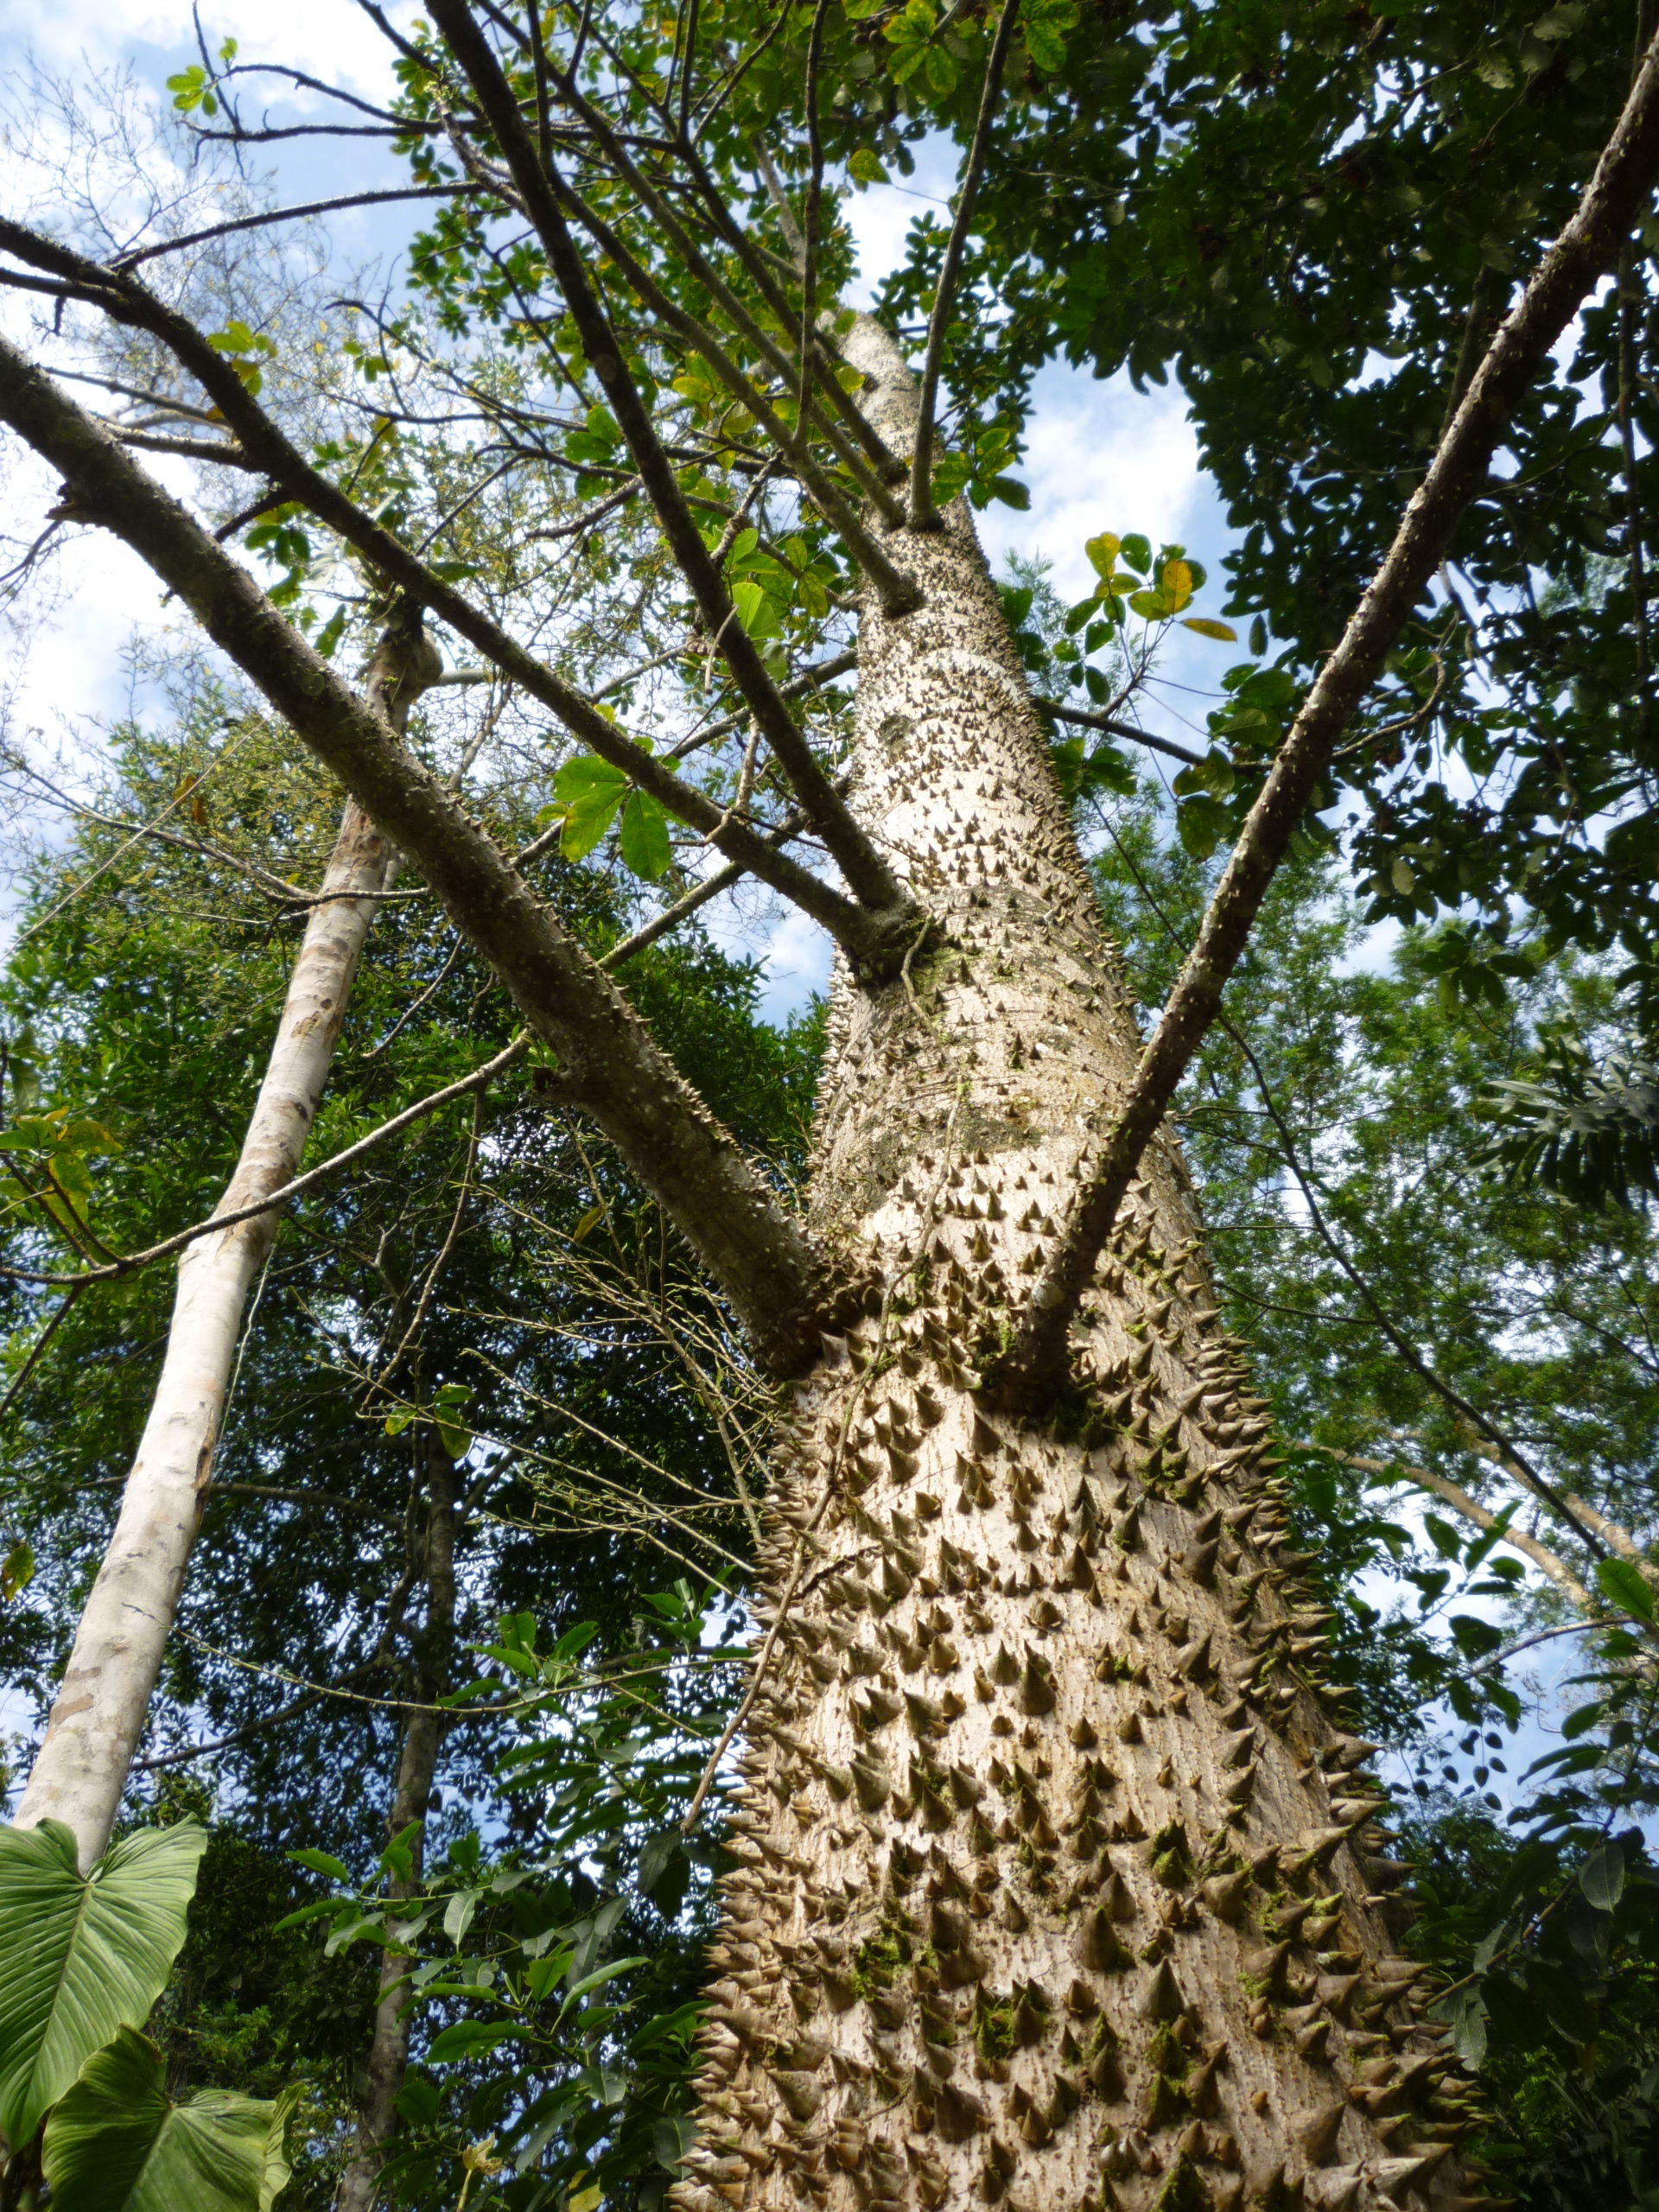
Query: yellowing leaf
(1208, 629)
(17, 1568)
(1176, 579)
(1103, 553)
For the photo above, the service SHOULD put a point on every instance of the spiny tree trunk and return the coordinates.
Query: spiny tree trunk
(388, 2058)
(1058, 1884)
(98, 1716)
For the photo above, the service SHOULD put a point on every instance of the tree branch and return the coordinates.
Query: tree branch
(869, 472)
(1027, 1376)
(1458, 1499)
(609, 1067)
(896, 591)
(284, 215)
(924, 515)
(872, 942)
(1088, 718)
(869, 875)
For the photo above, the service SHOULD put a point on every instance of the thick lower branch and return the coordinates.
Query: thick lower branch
(609, 1065)
(874, 940)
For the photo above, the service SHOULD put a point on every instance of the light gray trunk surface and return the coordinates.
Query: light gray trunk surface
(98, 1716)
(1060, 1887)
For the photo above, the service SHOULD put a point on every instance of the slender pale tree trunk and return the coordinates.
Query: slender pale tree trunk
(388, 2058)
(1058, 1887)
(98, 1716)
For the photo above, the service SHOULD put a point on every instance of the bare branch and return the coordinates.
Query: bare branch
(1035, 1365)
(922, 513)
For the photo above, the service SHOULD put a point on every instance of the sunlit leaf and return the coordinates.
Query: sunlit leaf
(83, 1956)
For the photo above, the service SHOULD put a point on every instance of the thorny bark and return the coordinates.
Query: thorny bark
(1059, 1887)
(388, 2054)
(98, 1713)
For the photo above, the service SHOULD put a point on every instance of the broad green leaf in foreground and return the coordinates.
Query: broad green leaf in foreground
(83, 1956)
(118, 2143)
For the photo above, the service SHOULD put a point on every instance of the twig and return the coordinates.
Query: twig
(922, 513)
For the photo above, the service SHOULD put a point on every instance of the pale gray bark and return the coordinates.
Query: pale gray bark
(98, 1713)
(1059, 1888)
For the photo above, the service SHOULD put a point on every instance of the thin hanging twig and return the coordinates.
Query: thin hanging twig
(922, 513)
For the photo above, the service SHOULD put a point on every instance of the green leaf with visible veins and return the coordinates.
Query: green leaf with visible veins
(644, 840)
(118, 2143)
(84, 1954)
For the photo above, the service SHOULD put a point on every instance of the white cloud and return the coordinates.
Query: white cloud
(1098, 456)
(354, 52)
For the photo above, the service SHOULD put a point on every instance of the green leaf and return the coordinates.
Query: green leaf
(600, 1974)
(458, 1915)
(1137, 551)
(118, 2143)
(1623, 1585)
(1602, 1876)
(644, 841)
(84, 1956)
(1474, 1638)
(324, 1862)
(756, 610)
(1467, 2014)
(1010, 491)
(588, 777)
(1206, 627)
(1201, 823)
(864, 167)
(470, 2040)
(17, 1568)
(588, 819)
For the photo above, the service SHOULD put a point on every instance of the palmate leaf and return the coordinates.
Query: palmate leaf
(118, 2143)
(84, 1956)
